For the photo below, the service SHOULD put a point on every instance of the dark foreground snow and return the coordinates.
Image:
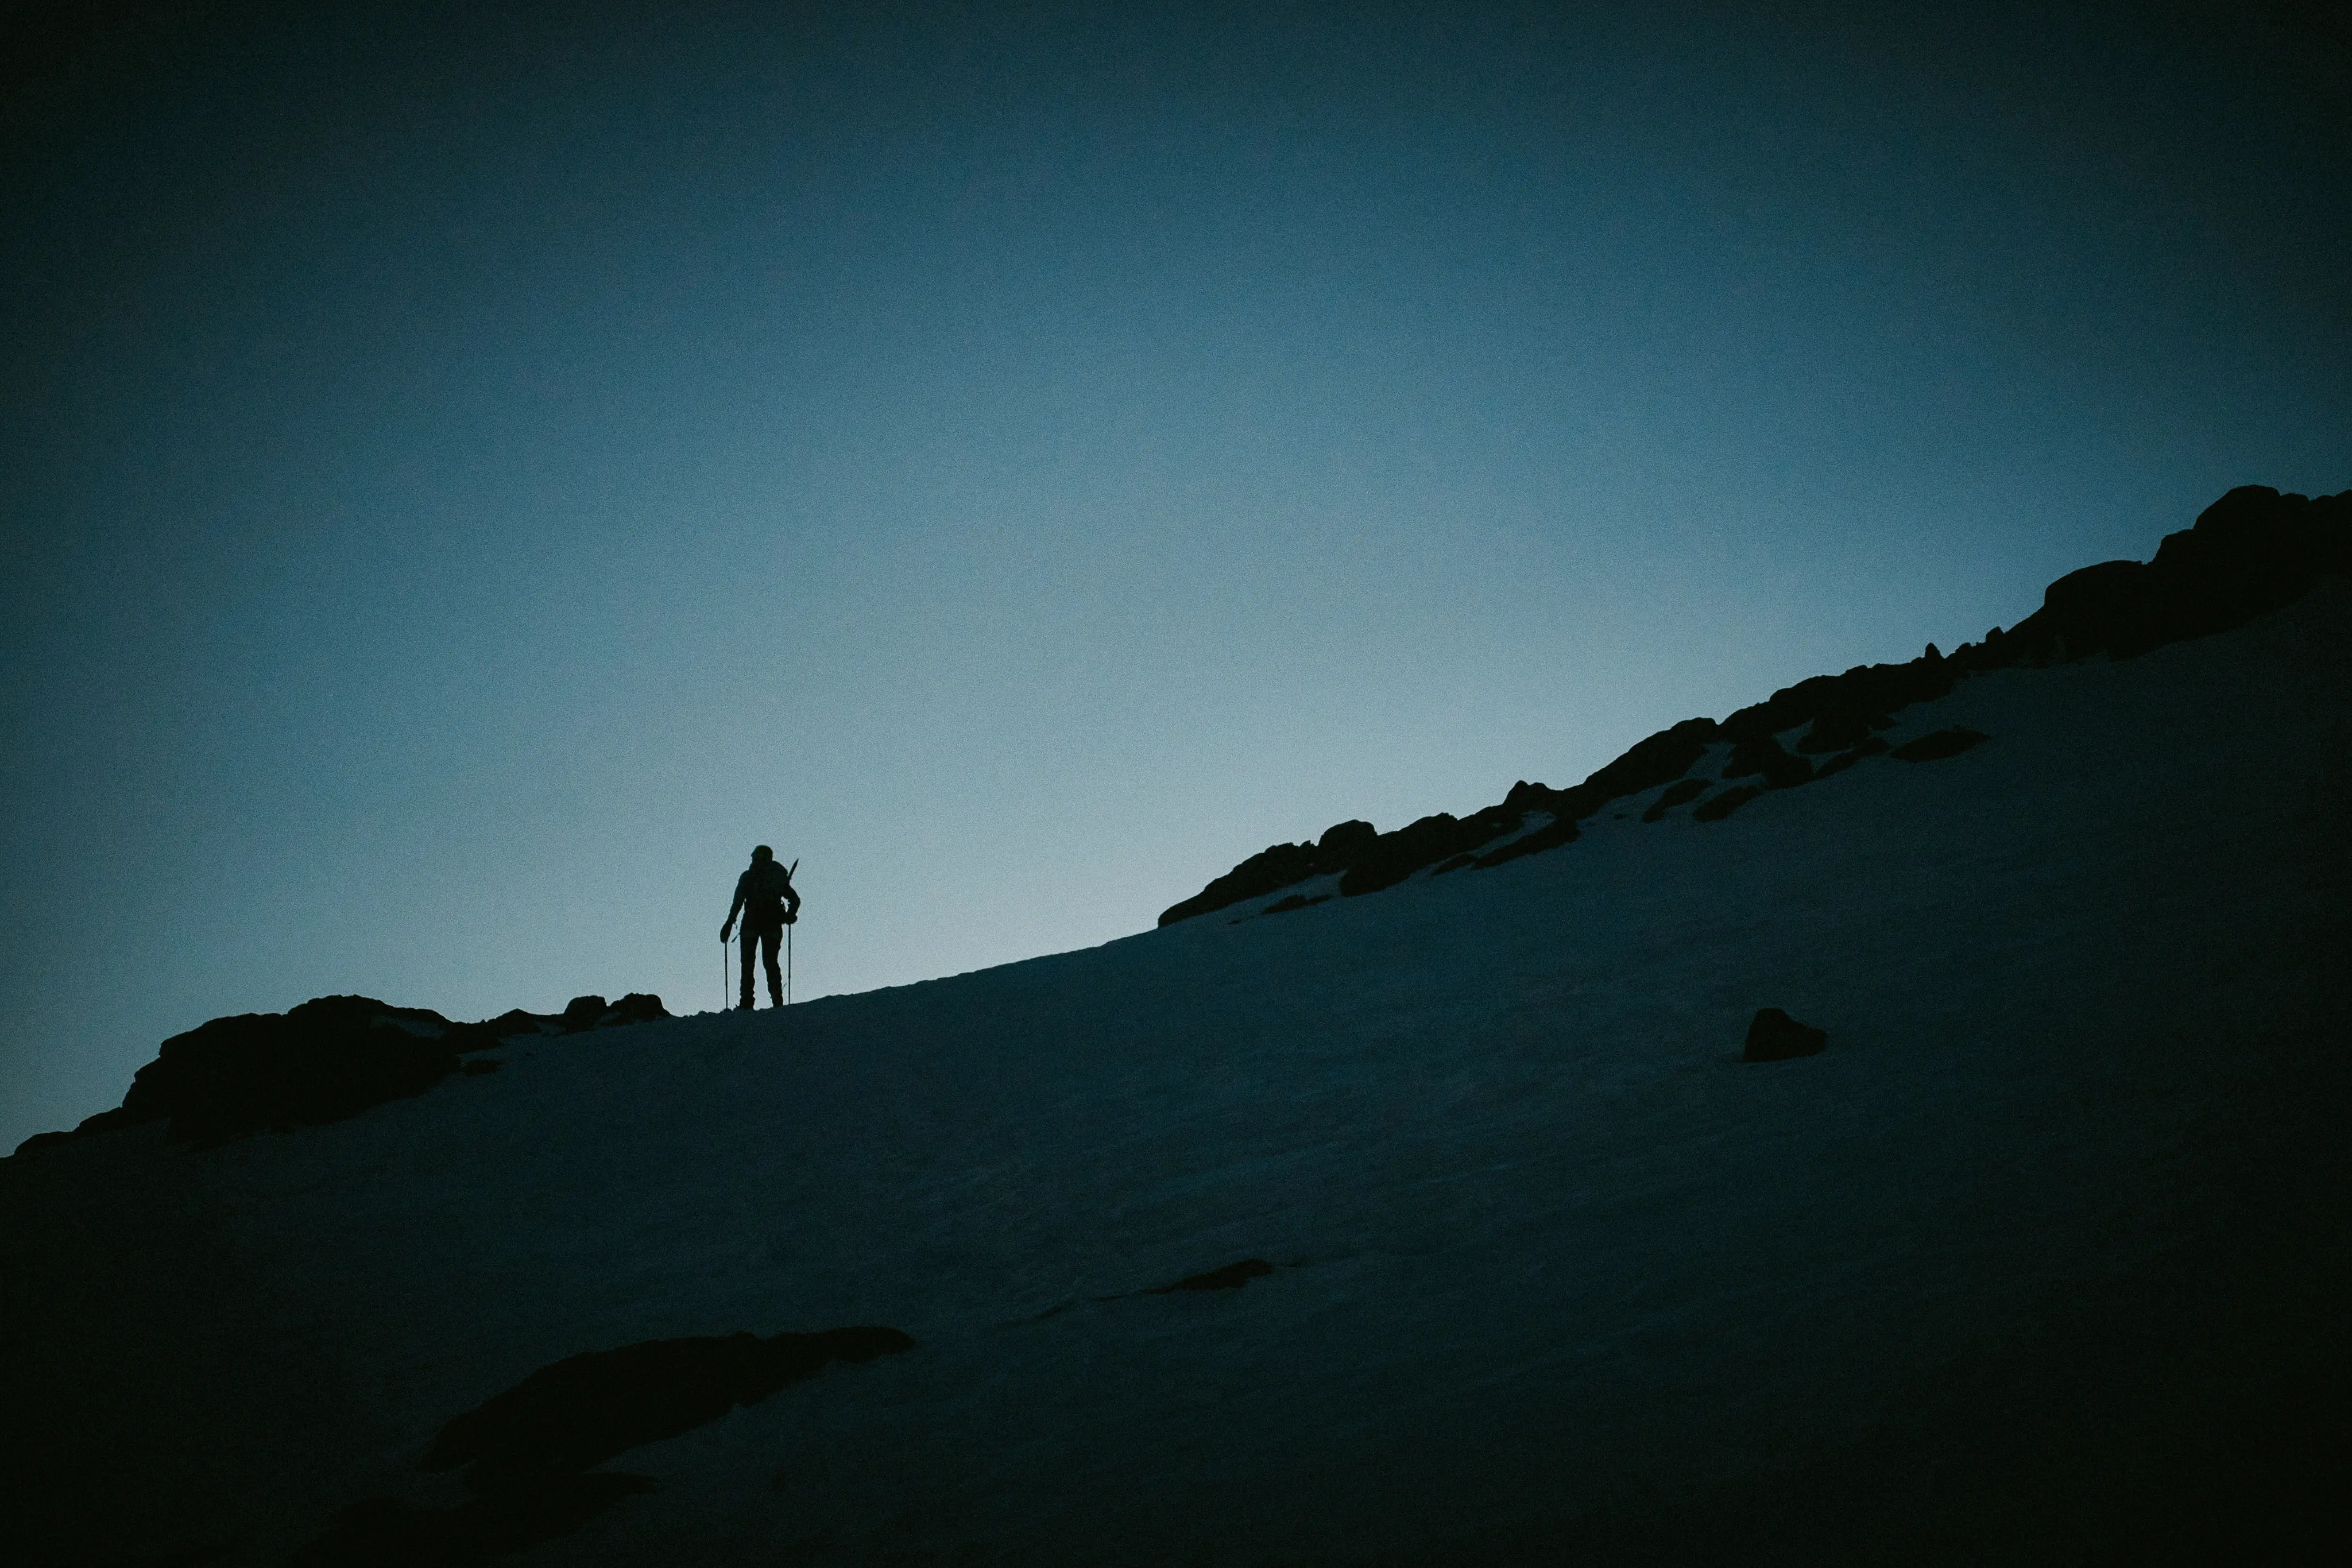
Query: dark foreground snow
(2046, 1257)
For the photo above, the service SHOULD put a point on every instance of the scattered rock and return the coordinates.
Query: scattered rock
(637, 1006)
(1774, 1036)
(1940, 744)
(2252, 551)
(1296, 900)
(1717, 807)
(1232, 1276)
(1674, 795)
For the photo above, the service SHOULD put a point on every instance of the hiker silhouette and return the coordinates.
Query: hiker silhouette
(764, 897)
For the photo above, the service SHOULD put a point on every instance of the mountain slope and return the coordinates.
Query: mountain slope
(2042, 1259)
(2252, 551)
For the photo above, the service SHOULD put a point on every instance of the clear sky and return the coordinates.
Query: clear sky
(467, 478)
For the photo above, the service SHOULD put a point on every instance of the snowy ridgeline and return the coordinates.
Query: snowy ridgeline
(1441, 1226)
(2252, 551)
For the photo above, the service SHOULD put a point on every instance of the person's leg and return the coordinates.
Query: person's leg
(751, 940)
(775, 939)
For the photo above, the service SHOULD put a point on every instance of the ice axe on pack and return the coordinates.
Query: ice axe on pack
(792, 918)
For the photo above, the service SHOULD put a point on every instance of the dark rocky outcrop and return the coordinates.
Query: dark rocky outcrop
(327, 1060)
(1939, 744)
(637, 1006)
(1232, 1276)
(2252, 551)
(1296, 900)
(1278, 866)
(588, 1409)
(1762, 755)
(1550, 836)
(1715, 808)
(1872, 746)
(1392, 857)
(1774, 1036)
(529, 1454)
(1674, 795)
(1837, 730)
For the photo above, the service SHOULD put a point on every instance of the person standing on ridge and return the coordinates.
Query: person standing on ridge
(764, 897)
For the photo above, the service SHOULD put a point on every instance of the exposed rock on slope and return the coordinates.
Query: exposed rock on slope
(2252, 551)
(529, 1454)
(1774, 1036)
(327, 1059)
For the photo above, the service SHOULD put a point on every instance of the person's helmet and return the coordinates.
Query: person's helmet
(762, 852)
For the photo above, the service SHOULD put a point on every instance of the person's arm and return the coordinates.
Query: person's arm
(792, 902)
(735, 908)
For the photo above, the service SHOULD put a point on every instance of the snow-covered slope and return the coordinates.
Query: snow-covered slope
(2045, 1258)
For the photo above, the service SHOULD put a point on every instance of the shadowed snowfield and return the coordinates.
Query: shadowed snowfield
(2045, 1258)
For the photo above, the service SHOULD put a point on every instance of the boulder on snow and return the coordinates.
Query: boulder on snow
(637, 1006)
(582, 1012)
(1774, 1036)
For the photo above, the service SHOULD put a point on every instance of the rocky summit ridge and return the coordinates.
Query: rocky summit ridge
(2252, 551)
(325, 1061)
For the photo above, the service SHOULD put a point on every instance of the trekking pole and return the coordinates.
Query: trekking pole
(722, 974)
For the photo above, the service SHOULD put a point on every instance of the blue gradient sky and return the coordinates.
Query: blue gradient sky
(468, 479)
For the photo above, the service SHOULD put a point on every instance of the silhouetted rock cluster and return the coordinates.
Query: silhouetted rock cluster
(2252, 551)
(1279, 865)
(322, 1062)
(527, 1454)
(1774, 1036)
